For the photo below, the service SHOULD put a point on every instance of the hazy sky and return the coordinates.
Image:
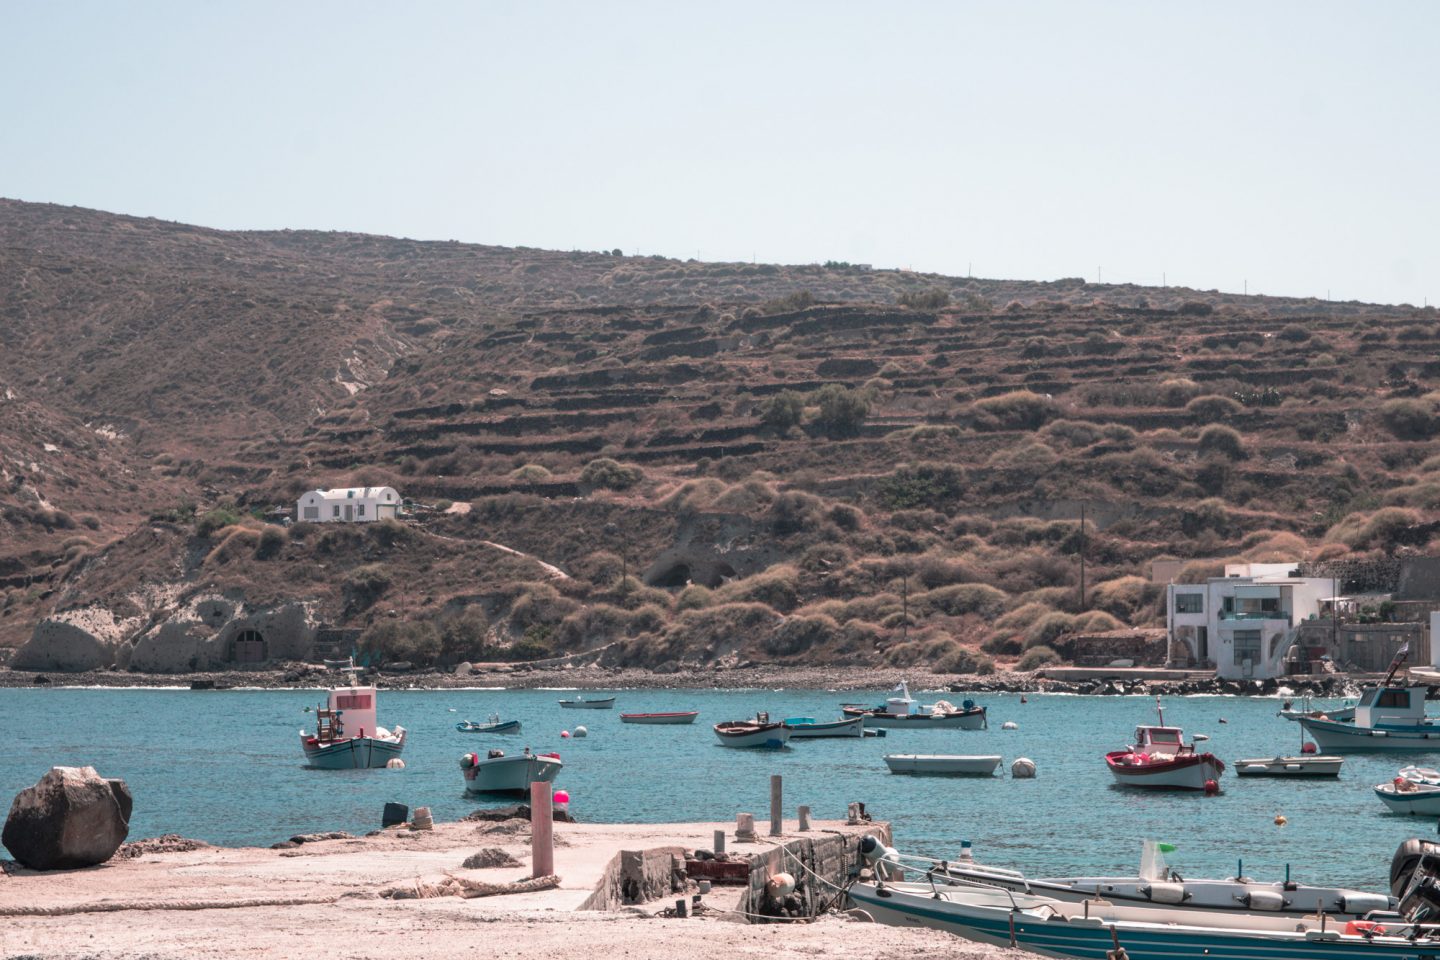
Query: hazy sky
(1293, 145)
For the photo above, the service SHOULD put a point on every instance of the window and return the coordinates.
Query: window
(387, 496)
(360, 510)
(1394, 698)
(349, 494)
(1189, 603)
(354, 701)
(335, 510)
(1247, 646)
(312, 513)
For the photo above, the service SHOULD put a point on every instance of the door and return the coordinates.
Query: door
(349, 512)
(1202, 644)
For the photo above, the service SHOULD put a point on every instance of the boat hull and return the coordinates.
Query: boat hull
(511, 774)
(769, 737)
(606, 704)
(805, 729)
(1185, 772)
(965, 720)
(1312, 765)
(942, 766)
(1333, 736)
(356, 753)
(1421, 802)
(660, 719)
(509, 726)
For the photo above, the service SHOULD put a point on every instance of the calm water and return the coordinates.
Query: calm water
(226, 767)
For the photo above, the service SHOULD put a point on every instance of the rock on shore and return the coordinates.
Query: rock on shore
(72, 817)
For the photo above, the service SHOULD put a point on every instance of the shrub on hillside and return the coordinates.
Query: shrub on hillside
(1208, 514)
(1294, 333)
(794, 511)
(530, 473)
(1017, 410)
(364, 585)
(934, 571)
(1032, 456)
(540, 604)
(797, 634)
(1221, 441)
(777, 588)
(842, 411)
(1195, 308)
(213, 520)
(723, 625)
(1199, 571)
(464, 635)
(1002, 645)
(389, 532)
(1037, 657)
(413, 641)
(783, 411)
(1212, 408)
(1022, 617)
(791, 303)
(1071, 433)
(591, 626)
(1381, 530)
(935, 298)
(963, 598)
(1095, 621)
(1125, 597)
(1410, 418)
(607, 474)
(1045, 629)
(939, 486)
(694, 597)
(272, 541)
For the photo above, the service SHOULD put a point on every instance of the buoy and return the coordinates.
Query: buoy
(1023, 698)
(1212, 787)
(560, 796)
(581, 732)
(564, 734)
(1308, 747)
(1223, 720)
(468, 760)
(1023, 768)
(780, 885)
(1009, 725)
(1280, 820)
(394, 763)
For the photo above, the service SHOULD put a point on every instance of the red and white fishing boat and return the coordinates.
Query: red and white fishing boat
(1161, 759)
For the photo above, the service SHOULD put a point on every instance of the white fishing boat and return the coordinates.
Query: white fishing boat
(1414, 791)
(1306, 765)
(901, 711)
(672, 718)
(1154, 886)
(497, 773)
(757, 733)
(580, 703)
(347, 734)
(1389, 716)
(942, 765)
(808, 728)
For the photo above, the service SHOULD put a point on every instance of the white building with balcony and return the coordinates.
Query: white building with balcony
(1244, 622)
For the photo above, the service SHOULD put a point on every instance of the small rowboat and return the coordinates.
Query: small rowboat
(604, 703)
(809, 727)
(1310, 765)
(677, 717)
(759, 732)
(942, 765)
(494, 725)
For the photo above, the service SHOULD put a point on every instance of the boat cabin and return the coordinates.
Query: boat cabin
(902, 704)
(349, 712)
(1161, 740)
(1381, 705)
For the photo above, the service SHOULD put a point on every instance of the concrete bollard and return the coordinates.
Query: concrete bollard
(852, 815)
(719, 845)
(777, 818)
(745, 827)
(804, 819)
(542, 831)
(682, 908)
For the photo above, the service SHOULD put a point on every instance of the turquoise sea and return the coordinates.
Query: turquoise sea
(226, 767)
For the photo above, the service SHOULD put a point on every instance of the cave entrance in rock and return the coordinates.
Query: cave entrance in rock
(248, 647)
(676, 576)
(720, 574)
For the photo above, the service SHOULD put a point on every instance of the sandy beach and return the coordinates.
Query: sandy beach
(324, 899)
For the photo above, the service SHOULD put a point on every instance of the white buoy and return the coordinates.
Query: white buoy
(780, 885)
(394, 763)
(581, 732)
(1009, 725)
(1023, 768)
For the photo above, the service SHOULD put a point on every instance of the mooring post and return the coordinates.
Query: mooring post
(776, 813)
(682, 908)
(745, 827)
(719, 841)
(804, 819)
(542, 831)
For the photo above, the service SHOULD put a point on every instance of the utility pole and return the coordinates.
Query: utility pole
(904, 606)
(1082, 557)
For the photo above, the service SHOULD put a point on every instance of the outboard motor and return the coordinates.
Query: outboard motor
(1415, 879)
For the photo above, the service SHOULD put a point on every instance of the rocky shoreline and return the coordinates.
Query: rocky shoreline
(309, 676)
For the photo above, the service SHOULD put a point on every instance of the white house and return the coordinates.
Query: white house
(348, 505)
(1245, 621)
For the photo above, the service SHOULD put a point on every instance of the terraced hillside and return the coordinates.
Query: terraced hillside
(731, 461)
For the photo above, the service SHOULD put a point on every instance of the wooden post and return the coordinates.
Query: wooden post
(776, 813)
(719, 841)
(804, 819)
(542, 831)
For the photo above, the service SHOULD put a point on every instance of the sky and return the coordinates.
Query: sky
(1285, 148)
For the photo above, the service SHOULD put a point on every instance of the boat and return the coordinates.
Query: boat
(1414, 791)
(760, 732)
(1389, 716)
(808, 728)
(674, 717)
(1307, 765)
(347, 735)
(603, 703)
(497, 773)
(902, 711)
(942, 765)
(1098, 928)
(492, 725)
(1161, 759)
(1156, 886)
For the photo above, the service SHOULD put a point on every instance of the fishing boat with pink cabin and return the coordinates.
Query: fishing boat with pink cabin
(347, 734)
(1160, 759)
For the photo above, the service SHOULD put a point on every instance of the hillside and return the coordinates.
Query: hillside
(785, 460)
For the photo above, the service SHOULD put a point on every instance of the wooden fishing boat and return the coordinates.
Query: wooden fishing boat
(903, 712)
(497, 773)
(810, 728)
(580, 703)
(347, 735)
(1308, 765)
(759, 732)
(493, 725)
(1161, 759)
(942, 765)
(671, 718)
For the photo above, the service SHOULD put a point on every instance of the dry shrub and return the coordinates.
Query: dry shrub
(939, 654)
(390, 532)
(364, 585)
(1222, 441)
(540, 605)
(1424, 495)
(933, 570)
(1071, 433)
(1276, 546)
(1213, 408)
(1331, 551)
(1021, 618)
(798, 634)
(723, 624)
(963, 598)
(593, 626)
(632, 594)
(1025, 456)
(747, 497)
(600, 568)
(1125, 597)
(234, 542)
(415, 642)
(1382, 529)
(693, 495)
(1096, 621)
(1018, 410)
(1410, 418)
(874, 608)
(1037, 657)
(1002, 645)
(530, 473)
(1046, 628)
(777, 588)
(271, 541)
(1199, 571)
(794, 511)
(826, 556)
(694, 597)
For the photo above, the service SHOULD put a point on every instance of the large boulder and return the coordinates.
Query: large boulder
(75, 641)
(72, 817)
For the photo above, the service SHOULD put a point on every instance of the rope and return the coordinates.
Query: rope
(115, 906)
(453, 886)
